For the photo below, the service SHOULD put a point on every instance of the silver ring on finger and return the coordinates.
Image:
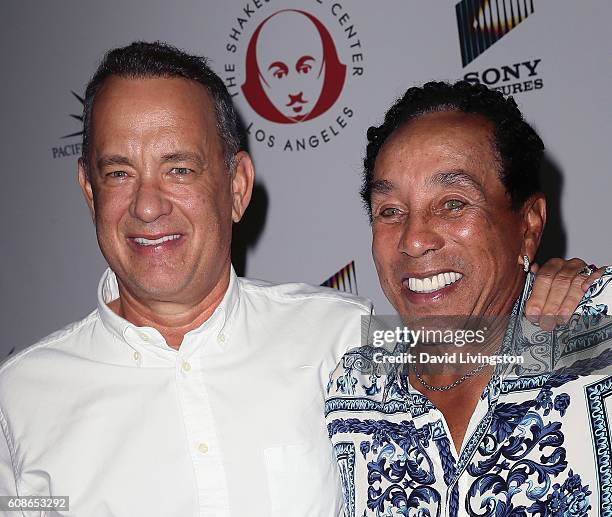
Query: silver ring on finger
(587, 271)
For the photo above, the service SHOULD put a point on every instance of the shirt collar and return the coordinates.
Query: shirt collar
(108, 290)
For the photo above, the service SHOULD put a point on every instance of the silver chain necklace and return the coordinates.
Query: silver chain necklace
(453, 384)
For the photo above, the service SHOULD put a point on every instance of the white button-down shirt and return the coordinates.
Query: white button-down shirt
(232, 423)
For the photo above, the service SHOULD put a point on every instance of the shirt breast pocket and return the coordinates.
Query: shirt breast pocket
(303, 480)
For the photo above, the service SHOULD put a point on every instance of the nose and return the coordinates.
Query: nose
(149, 202)
(420, 235)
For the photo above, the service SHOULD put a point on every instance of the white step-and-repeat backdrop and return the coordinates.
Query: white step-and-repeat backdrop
(306, 129)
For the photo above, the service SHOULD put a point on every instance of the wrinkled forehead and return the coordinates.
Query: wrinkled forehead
(437, 143)
(156, 111)
(445, 134)
(286, 37)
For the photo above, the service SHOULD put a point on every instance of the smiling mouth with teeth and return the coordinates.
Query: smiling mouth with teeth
(433, 283)
(142, 241)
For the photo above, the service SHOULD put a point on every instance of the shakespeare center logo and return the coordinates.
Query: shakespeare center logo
(71, 148)
(481, 24)
(289, 68)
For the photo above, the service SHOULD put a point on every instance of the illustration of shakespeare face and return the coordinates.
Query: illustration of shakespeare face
(293, 72)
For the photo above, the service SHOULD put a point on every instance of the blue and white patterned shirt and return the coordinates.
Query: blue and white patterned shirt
(537, 445)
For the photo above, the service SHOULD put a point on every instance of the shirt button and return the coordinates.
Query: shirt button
(221, 338)
(203, 448)
(186, 366)
(136, 356)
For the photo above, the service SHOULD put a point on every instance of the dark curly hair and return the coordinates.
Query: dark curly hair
(518, 147)
(142, 60)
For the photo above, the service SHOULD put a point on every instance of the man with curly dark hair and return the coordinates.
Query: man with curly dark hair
(517, 146)
(501, 425)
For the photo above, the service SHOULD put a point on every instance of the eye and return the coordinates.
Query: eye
(116, 174)
(181, 171)
(279, 69)
(454, 204)
(389, 212)
(303, 65)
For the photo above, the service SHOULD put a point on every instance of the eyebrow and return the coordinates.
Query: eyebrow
(303, 59)
(183, 156)
(448, 178)
(179, 156)
(112, 159)
(278, 64)
(382, 187)
(458, 178)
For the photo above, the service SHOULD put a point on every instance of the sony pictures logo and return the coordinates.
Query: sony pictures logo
(481, 25)
(289, 70)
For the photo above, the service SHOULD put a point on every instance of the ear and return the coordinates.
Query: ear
(86, 187)
(242, 184)
(534, 220)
